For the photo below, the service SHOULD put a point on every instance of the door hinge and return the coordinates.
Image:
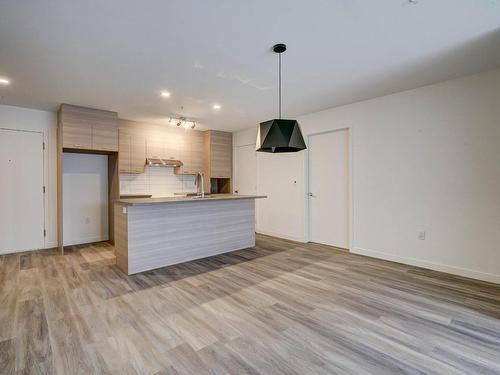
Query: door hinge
(43, 189)
(44, 233)
(43, 145)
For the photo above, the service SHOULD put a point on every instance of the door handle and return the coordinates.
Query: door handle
(311, 195)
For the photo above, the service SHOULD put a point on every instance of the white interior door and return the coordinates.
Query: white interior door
(245, 170)
(329, 188)
(21, 191)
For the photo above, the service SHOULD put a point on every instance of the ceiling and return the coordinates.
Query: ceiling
(119, 55)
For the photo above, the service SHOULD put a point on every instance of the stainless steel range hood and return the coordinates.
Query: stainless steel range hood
(157, 162)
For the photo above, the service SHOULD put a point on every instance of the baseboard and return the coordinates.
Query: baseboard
(3, 252)
(465, 272)
(280, 235)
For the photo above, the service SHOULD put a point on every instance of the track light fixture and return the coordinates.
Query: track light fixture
(182, 122)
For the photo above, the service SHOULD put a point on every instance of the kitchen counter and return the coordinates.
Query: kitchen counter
(208, 197)
(156, 232)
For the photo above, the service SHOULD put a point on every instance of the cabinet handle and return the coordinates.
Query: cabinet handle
(77, 145)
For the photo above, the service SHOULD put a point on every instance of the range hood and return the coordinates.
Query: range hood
(157, 162)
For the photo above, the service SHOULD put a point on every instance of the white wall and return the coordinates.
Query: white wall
(46, 122)
(422, 160)
(85, 198)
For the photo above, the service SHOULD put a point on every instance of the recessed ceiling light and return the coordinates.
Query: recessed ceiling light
(165, 94)
(216, 107)
(4, 81)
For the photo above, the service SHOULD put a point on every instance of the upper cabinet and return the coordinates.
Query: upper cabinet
(88, 129)
(164, 144)
(192, 153)
(209, 152)
(220, 150)
(132, 155)
(197, 152)
(178, 144)
(155, 146)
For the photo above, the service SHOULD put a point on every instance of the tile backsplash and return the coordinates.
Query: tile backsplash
(158, 181)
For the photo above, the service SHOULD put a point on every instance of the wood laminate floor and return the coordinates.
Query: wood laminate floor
(278, 308)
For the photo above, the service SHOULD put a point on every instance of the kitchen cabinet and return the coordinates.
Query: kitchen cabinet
(172, 142)
(191, 153)
(137, 153)
(125, 142)
(88, 129)
(154, 146)
(74, 127)
(104, 134)
(220, 154)
(132, 156)
(197, 153)
(209, 152)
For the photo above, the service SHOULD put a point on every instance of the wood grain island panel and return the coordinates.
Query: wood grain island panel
(160, 233)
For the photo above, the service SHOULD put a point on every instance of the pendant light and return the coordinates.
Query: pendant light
(279, 135)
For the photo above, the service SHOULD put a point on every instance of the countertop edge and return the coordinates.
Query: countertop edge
(156, 201)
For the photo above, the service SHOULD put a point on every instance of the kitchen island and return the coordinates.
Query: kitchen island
(157, 232)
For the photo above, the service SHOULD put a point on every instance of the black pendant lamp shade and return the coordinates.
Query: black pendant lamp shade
(279, 135)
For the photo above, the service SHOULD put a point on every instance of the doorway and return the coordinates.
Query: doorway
(21, 191)
(329, 188)
(245, 174)
(85, 198)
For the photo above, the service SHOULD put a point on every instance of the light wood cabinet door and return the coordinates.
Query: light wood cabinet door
(137, 153)
(171, 144)
(184, 150)
(132, 152)
(77, 136)
(198, 163)
(124, 152)
(104, 133)
(221, 148)
(76, 129)
(185, 153)
(88, 128)
(154, 146)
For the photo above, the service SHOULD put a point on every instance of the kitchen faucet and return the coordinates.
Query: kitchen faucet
(198, 181)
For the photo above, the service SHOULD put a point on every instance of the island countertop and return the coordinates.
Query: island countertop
(184, 199)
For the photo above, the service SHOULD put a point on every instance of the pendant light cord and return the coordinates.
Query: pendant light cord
(279, 85)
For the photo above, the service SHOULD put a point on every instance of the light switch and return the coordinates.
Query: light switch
(124, 210)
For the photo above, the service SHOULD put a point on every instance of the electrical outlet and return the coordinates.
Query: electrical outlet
(421, 236)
